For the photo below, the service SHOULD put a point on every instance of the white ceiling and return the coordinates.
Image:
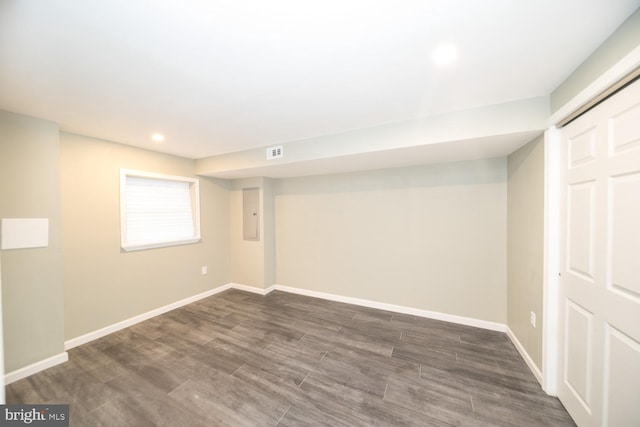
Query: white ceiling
(225, 76)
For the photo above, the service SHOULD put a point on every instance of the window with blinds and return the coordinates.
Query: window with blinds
(158, 210)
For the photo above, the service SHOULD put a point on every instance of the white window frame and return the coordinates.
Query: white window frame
(194, 188)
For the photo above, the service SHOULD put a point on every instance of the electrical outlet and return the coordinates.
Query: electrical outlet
(532, 319)
(204, 270)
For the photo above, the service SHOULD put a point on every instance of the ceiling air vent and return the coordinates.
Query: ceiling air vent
(274, 152)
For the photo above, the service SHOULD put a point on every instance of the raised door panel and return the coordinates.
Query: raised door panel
(580, 227)
(582, 148)
(624, 131)
(622, 380)
(578, 361)
(624, 253)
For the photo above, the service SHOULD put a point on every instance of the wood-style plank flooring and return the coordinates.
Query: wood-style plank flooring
(243, 359)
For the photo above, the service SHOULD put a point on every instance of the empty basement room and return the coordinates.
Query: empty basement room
(339, 213)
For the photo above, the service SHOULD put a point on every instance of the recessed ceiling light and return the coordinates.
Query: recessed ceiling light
(157, 137)
(445, 54)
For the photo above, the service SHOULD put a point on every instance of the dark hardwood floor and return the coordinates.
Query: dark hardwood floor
(242, 359)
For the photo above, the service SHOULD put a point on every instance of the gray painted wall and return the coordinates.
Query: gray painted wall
(32, 290)
(430, 237)
(525, 251)
(103, 284)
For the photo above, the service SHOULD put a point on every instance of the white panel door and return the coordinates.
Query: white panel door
(599, 348)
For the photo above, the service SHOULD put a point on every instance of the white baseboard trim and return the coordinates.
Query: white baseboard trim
(34, 368)
(528, 360)
(251, 289)
(461, 320)
(83, 339)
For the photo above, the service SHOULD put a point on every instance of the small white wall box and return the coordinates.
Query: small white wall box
(22, 233)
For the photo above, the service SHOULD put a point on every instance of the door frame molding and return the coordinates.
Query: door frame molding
(553, 180)
(551, 259)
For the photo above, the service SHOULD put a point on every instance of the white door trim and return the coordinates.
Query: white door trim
(550, 287)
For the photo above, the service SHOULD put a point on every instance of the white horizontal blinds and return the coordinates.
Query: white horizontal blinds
(158, 210)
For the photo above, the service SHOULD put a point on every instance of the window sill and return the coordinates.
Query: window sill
(144, 246)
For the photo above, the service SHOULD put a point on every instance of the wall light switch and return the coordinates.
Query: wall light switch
(204, 270)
